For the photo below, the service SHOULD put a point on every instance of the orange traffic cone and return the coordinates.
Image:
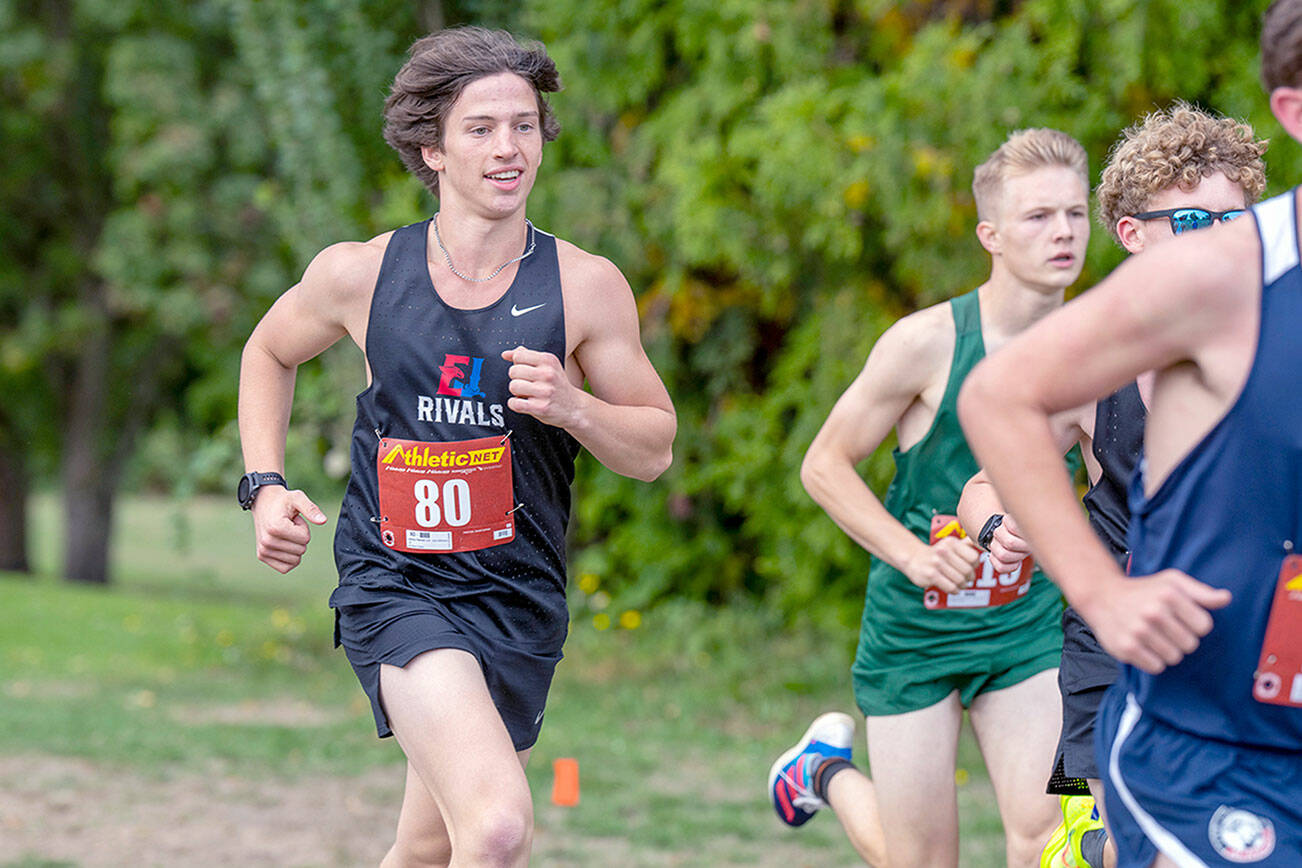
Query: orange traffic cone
(565, 782)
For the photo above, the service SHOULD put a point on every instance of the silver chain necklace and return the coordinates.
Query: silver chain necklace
(448, 258)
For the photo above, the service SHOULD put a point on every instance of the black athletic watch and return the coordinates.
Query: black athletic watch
(988, 530)
(251, 482)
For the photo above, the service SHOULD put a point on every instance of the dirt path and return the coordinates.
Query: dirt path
(54, 809)
(57, 811)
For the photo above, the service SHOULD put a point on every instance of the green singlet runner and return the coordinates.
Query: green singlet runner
(911, 657)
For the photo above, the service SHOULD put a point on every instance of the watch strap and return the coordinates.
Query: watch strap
(987, 534)
(251, 482)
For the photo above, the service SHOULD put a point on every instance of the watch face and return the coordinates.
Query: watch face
(244, 489)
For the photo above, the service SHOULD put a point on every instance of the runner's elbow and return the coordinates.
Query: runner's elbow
(656, 465)
(258, 354)
(816, 473)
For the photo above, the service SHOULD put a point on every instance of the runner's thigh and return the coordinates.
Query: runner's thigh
(912, 757)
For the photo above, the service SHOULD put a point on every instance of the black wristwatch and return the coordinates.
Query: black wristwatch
(988, 530)
(251, 482)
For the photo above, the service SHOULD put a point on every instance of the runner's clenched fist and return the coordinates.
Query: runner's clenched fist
(540, 387)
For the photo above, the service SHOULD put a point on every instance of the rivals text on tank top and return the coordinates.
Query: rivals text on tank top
(437, 374)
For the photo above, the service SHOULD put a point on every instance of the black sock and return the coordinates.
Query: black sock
(1091, 846)
(823, 774)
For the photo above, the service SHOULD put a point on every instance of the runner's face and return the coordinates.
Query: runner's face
(1213, 193)
(492, 145)
(1042, 227)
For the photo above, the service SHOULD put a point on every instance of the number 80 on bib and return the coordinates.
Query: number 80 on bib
(445, 497)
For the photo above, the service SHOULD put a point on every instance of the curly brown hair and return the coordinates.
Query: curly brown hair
(441, 66)
(1178, 146)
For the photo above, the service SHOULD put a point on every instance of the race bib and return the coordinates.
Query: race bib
(990, 588)
(1279, 671)
(445, 497)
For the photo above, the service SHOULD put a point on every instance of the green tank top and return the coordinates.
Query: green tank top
(929, 477)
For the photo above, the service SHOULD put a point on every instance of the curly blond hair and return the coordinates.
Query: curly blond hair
(1177, 147)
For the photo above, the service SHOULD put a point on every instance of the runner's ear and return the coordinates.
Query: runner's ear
(988, 235)
(1286, 105)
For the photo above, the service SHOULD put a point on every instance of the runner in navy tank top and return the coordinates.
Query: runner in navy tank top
(1225, 157)
(479, 333)
(1200, 740)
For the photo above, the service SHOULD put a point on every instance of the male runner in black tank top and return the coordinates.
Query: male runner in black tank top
(1216, 166)
(479, 331)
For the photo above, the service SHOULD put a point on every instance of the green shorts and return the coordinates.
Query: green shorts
(898, 689)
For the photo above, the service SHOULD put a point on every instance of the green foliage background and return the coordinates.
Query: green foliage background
(779, 179)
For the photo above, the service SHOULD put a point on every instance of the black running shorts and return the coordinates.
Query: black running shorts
(392, 626)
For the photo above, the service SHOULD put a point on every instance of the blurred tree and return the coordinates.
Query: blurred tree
(780, 179)
(175, 167)
(784, 179)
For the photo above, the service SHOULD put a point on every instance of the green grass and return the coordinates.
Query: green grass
(198, 655)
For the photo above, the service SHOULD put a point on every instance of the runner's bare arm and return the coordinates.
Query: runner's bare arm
(627, 420)
(310, 317)
(1084, 351)
(908, 357)
(980, 501)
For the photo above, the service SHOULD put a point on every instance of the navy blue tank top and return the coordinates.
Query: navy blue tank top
(1228, 514)
(1117, 445)
(437, 375)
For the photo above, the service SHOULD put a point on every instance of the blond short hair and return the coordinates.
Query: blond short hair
(1178, 147)
(1025, 151)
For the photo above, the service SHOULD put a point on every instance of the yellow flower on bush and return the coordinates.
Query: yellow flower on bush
(631, 619)
(601, 621)
(860, 143)
(857, 194)
(588, 582)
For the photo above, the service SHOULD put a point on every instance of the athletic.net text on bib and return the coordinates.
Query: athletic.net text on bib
(445, 497)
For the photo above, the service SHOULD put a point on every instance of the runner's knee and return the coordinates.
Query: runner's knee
(500, 835)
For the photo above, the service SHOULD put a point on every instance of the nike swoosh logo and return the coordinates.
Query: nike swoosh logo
(515, 311)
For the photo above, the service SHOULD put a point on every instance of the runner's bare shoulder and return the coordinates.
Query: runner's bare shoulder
(587, 277)
(917, 349)
(344, 273)
(598, 300)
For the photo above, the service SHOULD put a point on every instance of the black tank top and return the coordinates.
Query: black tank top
(1118, 443)
(437, 375)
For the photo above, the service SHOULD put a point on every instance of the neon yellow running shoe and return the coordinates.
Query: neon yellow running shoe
(1078, 817)
(1056, 849)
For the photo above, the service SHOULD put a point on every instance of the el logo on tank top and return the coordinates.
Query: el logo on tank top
(990, 588)
(1279, 671)
(445, 497)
